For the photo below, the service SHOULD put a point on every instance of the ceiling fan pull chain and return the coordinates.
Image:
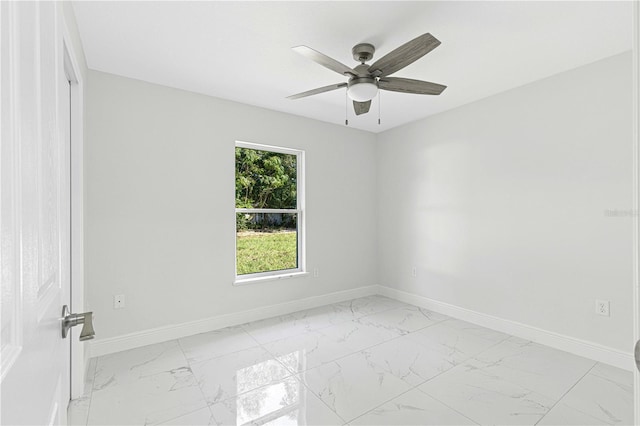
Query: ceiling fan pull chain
(346, 109)
(378, 107)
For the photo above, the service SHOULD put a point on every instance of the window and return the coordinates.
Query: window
(269, 212)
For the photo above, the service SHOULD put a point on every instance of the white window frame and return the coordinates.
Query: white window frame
(299, 211)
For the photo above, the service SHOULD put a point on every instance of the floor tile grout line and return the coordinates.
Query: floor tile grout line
(447, 405)
(416, 387)
(302, 381)
(288, 376)
(528, 341)
(367, 347)
(356, 319)
(218, 356)
(413, 388)
(462, 362)
(251, 336)
(93, 381)
(383, 403)
(204, 397)
(385, 341)
(448, 370)
(372, 346)
(599, 420)
(207, 406)
(258, 345)
(292, 374)
(298, 376)
(331, 360)
(565, 394)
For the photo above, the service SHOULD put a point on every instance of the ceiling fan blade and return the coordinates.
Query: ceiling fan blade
(407, 85)
(324, 60)
(318, 90)
(361, 107)
(404, 55)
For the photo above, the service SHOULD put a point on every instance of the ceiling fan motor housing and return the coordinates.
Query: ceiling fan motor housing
(363, 52)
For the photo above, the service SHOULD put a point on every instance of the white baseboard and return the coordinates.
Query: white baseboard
(110, 345)
(573, 345)
(591, 350)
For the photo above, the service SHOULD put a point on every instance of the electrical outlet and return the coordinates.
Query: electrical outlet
(118, 301)
(316, 272)
(602, 307)
(414, 272)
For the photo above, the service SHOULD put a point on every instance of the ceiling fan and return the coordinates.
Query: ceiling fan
(365, 80)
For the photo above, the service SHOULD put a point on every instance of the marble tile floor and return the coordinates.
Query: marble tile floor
(369, 361)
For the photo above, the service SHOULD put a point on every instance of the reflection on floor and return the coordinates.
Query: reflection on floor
(369, 361)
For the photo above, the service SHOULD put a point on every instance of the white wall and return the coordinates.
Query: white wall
(159, 167)
(500, 204)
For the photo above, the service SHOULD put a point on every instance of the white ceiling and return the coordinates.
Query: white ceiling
(242, 50)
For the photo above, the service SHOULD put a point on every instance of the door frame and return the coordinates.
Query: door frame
(636, 198)
(72, 69)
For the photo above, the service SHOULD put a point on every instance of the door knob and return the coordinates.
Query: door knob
(637, 352)
(71, 320)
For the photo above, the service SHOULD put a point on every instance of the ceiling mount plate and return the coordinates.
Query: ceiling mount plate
(363, 52)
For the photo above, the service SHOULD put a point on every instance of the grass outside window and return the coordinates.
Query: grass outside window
(266, 251)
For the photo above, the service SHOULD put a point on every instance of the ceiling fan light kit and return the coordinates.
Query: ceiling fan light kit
(365, 81)
(362, 89)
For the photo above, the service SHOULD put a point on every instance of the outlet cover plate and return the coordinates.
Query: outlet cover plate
(602, 307)
(118, 301)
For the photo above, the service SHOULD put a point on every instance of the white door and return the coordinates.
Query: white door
(34, 215)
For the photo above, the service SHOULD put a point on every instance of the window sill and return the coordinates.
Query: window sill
(254, 280)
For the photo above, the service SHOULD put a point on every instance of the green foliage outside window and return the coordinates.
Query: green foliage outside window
(265, 180)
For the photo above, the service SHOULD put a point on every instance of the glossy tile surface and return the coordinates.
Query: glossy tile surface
(412, 408)
(357, 335)
(403, 320)
(78, 412)
(513, 382)
(369, 361)
(370, 305)
(147, 400)
(540, 368)
(419, 356)
(353, 385)
(307, 350)
(230, 375)
(456, 340)
(130, 366)
(277, 328)
(284, 402)
(202, 347)
(487, 398)
(202, 416)
(603, 396)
